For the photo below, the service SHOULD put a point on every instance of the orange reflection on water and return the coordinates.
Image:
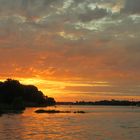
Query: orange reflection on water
(99, 122)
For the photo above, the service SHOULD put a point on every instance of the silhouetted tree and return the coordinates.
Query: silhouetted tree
(50, 101)
(11, 92)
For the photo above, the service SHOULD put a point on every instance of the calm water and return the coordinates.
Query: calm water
(100, 123)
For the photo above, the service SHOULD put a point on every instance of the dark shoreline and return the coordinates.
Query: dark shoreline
(103, 103)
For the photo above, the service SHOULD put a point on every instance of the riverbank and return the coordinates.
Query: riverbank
(103, 103)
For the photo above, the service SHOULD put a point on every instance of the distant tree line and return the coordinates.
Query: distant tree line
(12, 92)
(103, 102)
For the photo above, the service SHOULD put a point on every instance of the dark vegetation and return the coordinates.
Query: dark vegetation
(16, 96)
(103, 102)
(56, 111)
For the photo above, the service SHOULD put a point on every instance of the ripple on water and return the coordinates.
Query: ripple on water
(101, 123)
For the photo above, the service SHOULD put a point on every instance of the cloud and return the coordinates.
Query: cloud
(132, 6)
(112, 90)
(29, 8)
(95, 14)
(81, 38)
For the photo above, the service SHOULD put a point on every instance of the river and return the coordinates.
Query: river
(99, 123)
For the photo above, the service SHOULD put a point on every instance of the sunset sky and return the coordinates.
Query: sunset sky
(72, 49)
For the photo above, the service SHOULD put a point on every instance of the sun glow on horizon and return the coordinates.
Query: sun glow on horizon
(75, 90)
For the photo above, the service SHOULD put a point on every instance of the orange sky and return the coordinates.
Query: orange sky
(72, 50)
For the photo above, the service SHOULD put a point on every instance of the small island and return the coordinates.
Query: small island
(15, 97)
(57, 111)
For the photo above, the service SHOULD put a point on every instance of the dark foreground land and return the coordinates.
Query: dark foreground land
(15, 97)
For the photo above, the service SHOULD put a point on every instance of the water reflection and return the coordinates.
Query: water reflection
(101, 123)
